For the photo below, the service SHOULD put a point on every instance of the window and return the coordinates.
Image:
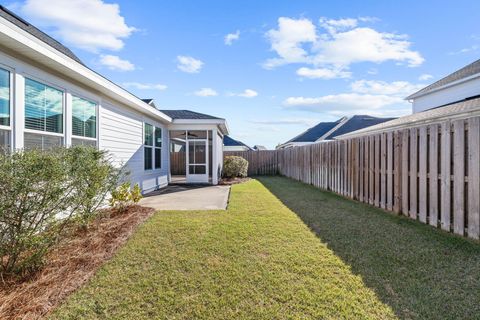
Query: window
(41, 141)
(84, 119)
(158, 148)
(4, 109)
(152, 147)
(43, 107)
(148, 147)
(4, 98)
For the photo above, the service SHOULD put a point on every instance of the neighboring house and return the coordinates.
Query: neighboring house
(461, 85)
(230, 144)
(455, 111)
(325, 131)
(48, 98)
(259, 148)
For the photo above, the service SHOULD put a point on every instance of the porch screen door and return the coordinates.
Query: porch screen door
(197, 161)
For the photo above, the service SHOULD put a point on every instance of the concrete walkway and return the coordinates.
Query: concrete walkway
(187, 197)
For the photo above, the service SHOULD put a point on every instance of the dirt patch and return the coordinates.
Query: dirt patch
(70, 264)
(230, 181)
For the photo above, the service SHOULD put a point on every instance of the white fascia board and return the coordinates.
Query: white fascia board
(451, 84)
(21, 41)
(220, 123)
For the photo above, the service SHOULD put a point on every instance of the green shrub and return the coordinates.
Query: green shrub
(39, 193)
(94, 178)
(124, 196)
(234, 166)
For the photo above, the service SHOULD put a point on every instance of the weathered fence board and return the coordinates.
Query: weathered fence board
(428, 172)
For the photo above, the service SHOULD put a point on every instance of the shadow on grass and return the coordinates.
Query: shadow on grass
(421, 272)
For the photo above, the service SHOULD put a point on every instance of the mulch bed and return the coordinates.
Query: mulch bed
(229, 182)
(70, 264)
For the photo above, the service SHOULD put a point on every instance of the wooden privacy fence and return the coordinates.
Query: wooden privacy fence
(430, 173)
(259, 162)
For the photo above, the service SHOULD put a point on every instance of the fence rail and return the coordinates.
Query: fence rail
(430, 173)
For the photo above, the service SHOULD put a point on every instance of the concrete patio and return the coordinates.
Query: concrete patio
(188, 197)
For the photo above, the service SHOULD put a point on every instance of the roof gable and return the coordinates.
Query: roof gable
(230, 142)
(315, 132)
(356, 122)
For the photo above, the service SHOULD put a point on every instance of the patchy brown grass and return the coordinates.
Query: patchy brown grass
(70, 264)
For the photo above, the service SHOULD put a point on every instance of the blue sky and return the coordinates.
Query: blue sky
(271, 68)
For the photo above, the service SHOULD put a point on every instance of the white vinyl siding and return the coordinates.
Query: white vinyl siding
(121, 134)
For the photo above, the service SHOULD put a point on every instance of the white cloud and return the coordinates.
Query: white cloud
(365, 45)
(472, 48)
(88, 24)
(348, 104)
(288, 39)
(395, 88)
(290, 121)
(342, 43)
(116, 63)
(189, 64)
(231, 37)
(336, 25)
(206, 92)
(344, 101)
(425, 77)
(145, 86)
(323, 73)
(247, 93)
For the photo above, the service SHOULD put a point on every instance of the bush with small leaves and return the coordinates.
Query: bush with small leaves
(40, 191)
(234, 166)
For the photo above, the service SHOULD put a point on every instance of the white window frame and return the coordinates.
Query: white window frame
(155, 128)
(28, 76)
(97, 104)
(152, 147)
(11, 77)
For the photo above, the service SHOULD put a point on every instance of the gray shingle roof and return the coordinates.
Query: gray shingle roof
(315, 132)
(188, 115)
(230, 142)
(465, 72)
(356, 123)
(22, 24)
(457, 110)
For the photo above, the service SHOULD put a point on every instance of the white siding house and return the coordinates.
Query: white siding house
(460, 85)
(49, 98)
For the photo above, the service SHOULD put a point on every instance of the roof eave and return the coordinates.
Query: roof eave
(451, 84)
(18, 40)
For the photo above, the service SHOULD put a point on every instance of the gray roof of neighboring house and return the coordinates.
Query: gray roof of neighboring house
(230, 142)
(188, 115)
(457, 110)
(344, 125)
(465, 72)
(22, 24)
(356, 122)
(315, 132)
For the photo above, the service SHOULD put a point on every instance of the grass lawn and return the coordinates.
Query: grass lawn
(257, 260)
(419, 271)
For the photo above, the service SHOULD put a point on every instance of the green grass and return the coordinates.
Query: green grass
(257, 260)
(419, 271)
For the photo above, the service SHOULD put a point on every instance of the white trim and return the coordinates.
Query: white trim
(17, 39)
(450, 84)
(339, 125)
(45, 133)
